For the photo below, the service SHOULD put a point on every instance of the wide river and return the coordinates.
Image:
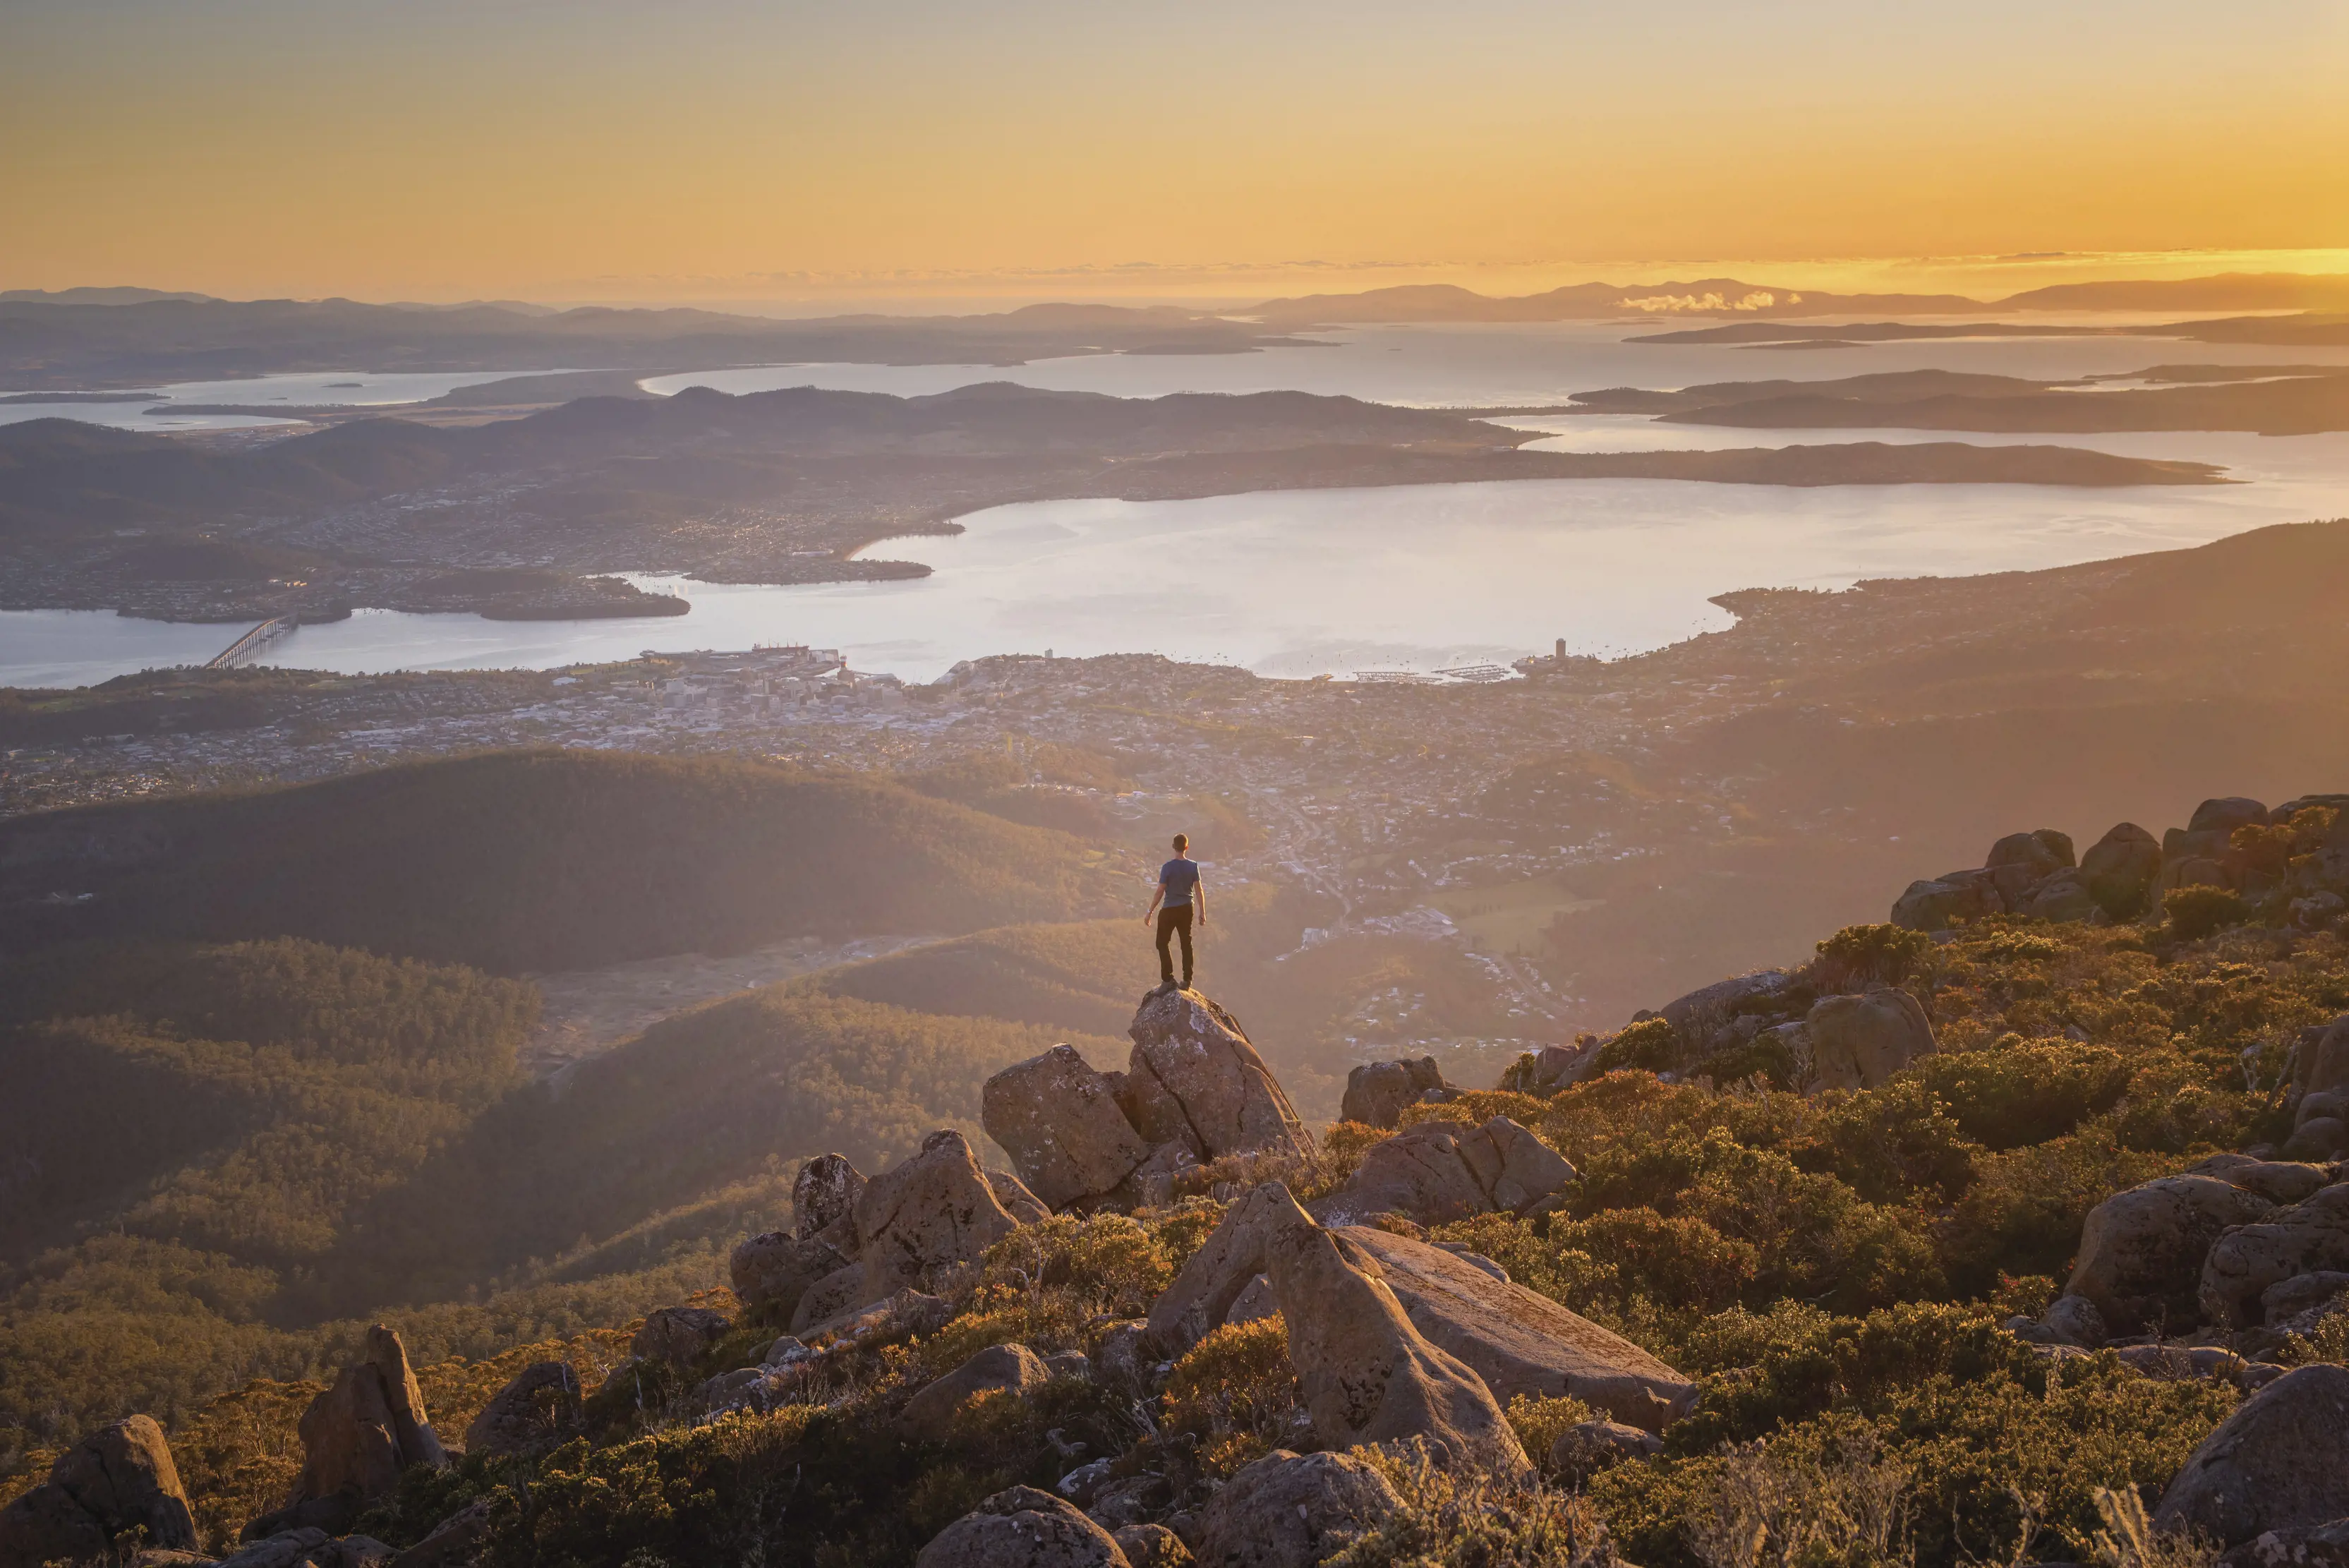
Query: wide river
(1303, 582)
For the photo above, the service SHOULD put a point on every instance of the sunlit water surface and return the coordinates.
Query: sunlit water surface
(1298, 583)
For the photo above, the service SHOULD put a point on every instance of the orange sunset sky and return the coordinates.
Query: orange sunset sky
(717, 150)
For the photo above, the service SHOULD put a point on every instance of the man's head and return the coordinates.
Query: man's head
(1182, 844)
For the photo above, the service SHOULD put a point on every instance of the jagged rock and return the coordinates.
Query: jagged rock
(935, 1208)
(1519, 1341)
(1152, 1546)
(360, 1435)
(2141, 1251)
(2277, 1180)
(1938, 903)
(1585, 1449)
(1123, 1358)
(1195, 1080)
(1059, 1120)
(1367, 1374)
(2316, 1546)
(929, 1416)
(2303, 1296)
(1230, 1259)
(1859, 1042)
(2270, 1248)
(1291, 1511)
(2279, 1461)
(1559, 1066)
(452, 1543)
(2064, 897)
(678, 1335)
(1254, 1304)
(824, 1194)
(1122, 1505)
(2120, 870)
(117, 1479)
(1438, 1172)
(2074, 1320)
(1153, 1183)
(774, 1270)
(539, 1409)
(1363, 1371)
(1022, 1528)
(838, 1293)
(2226, 814)
(1377, 1092)
(1024, 1207)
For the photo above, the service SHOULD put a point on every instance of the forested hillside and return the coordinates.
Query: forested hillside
(531, 861)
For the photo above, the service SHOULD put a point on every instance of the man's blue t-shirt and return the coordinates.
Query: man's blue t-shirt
(1180, 876)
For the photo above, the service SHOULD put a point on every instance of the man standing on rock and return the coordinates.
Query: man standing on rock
(1179, 891)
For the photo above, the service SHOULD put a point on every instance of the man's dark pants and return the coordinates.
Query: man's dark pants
(1175, 920)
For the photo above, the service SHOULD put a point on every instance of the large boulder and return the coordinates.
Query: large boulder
(539, 1409)
(1439, 1172)
(1022, 1528)
(2065, 898)
(2121, 868)
(1699, 1017)
(118, 1481)
(2226, 814)
(2280, 1462)
(827, 1301)
(1936, 904)
(1195, 1080)
(1859, 1042)
(2141, 1251)
(678, 1335)
(823, 1197)
(1377, 1092)
(2021, 862)
(929, 1416)
(1059, 1121)
(934, 1209)
(362, 1434)
(1519, 1341)
(2270, 1248)
(1291, 1511)
(1365, 1374)
(774, 1270)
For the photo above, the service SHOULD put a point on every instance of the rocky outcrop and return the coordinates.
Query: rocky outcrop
(1195, 1080)
(359, 1437)
(934, 1209)
(678, 1335)
(119, 1481)
(2141, 1251)
(928, 1417)
(824, 1301)
(538, 1410)
(1151, 1547)
(1022, 1528)
(2320, 1085)
(2280, 1462)
(774, 1270)
(1585, 1449)
(1024, 1207)
(824, 1195)
(1378, 1092)
(1059, 1121)
(1860, 1042)
(2120, 870)
(1365, 1374)
(1519, 1341)
(2270, 1248)
(1291, 1511)
(1439, 1172)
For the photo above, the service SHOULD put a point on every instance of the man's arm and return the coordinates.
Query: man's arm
(1161, 893)
(1199, 899)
